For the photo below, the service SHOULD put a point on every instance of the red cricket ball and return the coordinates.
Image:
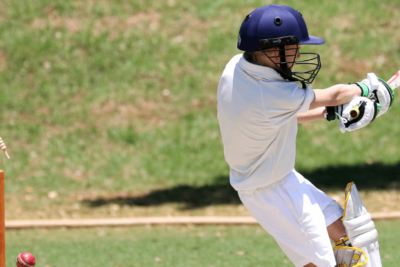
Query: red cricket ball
(26, 259)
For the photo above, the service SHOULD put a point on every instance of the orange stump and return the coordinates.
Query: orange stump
(2, 223)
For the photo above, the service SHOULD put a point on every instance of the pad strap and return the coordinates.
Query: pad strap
(342, 241)
(350, 256)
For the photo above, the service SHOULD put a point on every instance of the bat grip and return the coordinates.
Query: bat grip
(355, 112)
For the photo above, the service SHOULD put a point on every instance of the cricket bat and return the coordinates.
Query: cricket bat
(394, 82)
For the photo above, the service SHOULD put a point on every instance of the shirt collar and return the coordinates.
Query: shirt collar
(259, 72)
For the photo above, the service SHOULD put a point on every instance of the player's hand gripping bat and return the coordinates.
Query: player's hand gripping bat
(393, 82)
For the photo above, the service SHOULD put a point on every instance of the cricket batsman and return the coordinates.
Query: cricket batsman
(261, 100)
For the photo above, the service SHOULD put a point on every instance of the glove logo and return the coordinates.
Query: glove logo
(239, 40)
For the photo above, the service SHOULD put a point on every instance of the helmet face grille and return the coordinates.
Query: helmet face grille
(290, 66)
(307, 68)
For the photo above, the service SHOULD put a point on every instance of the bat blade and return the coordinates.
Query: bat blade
(394, 82)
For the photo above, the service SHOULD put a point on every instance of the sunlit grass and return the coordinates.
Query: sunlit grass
(168, 246)
(120, 96)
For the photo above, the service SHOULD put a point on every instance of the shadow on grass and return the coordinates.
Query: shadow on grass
(219, 192)
(368, 177)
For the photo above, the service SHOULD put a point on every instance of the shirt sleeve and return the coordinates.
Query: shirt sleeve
(284, 100)
(308, 98)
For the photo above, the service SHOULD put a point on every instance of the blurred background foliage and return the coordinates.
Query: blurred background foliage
(109, 107)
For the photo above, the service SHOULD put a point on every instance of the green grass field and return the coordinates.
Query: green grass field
(109, 107)
(167, 246)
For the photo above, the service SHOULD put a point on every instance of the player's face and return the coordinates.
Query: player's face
(292, 54)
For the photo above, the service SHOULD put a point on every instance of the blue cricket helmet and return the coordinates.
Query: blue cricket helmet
(282, 27)
(273, 21)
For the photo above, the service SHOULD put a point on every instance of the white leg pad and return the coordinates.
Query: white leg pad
(360, 230)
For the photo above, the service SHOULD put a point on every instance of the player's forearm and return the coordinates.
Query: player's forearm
(311, 115)
(334, 96)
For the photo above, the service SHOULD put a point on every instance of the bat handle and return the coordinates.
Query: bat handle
(355, 112)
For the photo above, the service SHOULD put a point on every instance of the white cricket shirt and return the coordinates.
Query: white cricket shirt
(257, 111)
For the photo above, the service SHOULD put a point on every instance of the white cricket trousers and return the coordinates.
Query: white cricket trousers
(296, 214)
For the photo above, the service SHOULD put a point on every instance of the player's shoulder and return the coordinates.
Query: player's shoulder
(283, 94)
(233, 62)
(235, 59)
(281, 88)
(231, 66)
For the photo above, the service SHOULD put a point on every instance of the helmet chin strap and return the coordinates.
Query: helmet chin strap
(284, 71)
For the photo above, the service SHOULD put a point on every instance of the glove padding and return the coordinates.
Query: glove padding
(377, 89)
(365, 108)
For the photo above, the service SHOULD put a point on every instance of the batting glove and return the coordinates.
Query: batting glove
(377, 89)
(354, 115)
